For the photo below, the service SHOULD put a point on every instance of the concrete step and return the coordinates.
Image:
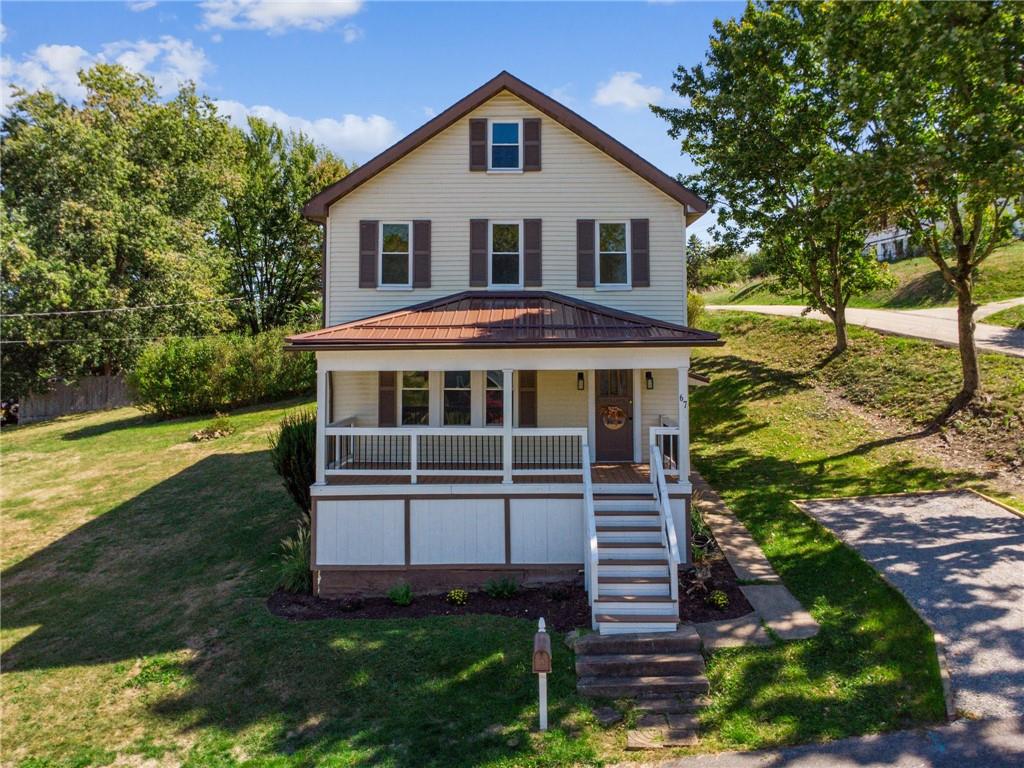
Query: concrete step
(626, 686)
(636, 623)
(636, 604)
(682, 703)
(683, 640)
(640, 665)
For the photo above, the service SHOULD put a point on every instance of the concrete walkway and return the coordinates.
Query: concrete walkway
(959, 560)
(964, 744)
(938, 325)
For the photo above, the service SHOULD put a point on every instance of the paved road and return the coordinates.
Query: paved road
(959, 560)
(938, 325)
(964, 744)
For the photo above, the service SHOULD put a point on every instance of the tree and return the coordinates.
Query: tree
(762, 122)
(109, 205)
(696, 258)
(936, 96)
(274, 253)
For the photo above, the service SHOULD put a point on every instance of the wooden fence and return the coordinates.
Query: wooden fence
(90, 393)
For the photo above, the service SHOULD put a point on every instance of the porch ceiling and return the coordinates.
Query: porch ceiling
(493, 319)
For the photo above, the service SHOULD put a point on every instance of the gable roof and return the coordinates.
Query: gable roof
(317, 207)
(502, 319)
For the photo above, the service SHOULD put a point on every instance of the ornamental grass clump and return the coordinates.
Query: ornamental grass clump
(502, 589)
(400, 594)
(294, 574)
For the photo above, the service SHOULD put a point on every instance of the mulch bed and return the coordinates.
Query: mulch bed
(563, 607)
(694, 607)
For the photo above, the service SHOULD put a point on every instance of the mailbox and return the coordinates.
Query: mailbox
(542, 652)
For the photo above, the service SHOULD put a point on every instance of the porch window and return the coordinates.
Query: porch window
(506, 261)
(504, 153)
(415, 398)
(494, 399)
(457, 398)
(396, 255)
(613, 254)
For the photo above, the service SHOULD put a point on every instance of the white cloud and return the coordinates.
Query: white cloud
(351, 33)
(142, 5)
(169, 61)
(3, 32)
(276, 16)
(625, 89)
(429, 113)
(351, 136)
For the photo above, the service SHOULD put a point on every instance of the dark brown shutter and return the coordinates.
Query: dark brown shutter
(478, 252)
(585, 253)
(527, 398)
(532, 273)
(421, 254)
(478, 144)
(531, 144)
(368, 254)
(387, 399)
(640, 247)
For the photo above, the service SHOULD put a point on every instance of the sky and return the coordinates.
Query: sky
(357, 76)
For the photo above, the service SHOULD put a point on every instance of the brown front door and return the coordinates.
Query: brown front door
(614, 423)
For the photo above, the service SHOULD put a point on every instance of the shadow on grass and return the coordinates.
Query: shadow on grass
(170, 589)
(928, 290)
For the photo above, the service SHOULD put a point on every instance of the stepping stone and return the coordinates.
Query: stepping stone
(651, 720)
(680, 738)
(645, 738)
(729, 633)
(674, 704)
(607, 716)
(781, 611)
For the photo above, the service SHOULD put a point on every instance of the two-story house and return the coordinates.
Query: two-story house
(502, 382)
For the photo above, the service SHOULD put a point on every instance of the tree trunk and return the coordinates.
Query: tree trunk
(839, 321)
(968, 352)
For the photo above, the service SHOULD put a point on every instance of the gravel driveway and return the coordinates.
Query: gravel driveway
(959, 559)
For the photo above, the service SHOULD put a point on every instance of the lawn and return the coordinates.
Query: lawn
(1011, 318)
(917, 284)
(137, 565)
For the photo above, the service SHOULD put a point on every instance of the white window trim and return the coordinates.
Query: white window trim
(381, 285)
(490, 137)
(401, 389)
(490, 255)
(598, 285)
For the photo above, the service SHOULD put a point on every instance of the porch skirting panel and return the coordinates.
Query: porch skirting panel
(341, 583)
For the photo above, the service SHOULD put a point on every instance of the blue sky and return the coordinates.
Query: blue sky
(359, 75)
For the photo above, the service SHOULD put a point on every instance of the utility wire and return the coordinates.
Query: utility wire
(107, 338)
(58, 313)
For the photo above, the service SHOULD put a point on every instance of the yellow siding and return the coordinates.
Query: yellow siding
(559, 403)
(355, 394)
(663, 400)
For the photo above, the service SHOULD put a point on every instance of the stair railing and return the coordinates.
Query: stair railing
(668, 526)
(590, 556)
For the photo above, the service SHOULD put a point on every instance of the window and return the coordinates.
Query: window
(494, 399)
(612, 254)
(506, 263)
(504, 149)
(396, 255)
(415, 398)
(457, 398)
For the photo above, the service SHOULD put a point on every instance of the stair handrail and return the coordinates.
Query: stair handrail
(591, 557)
(667, 523)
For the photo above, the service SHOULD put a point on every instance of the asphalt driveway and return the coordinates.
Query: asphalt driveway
(959, 560)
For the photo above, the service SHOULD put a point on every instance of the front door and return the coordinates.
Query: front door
(614, 408)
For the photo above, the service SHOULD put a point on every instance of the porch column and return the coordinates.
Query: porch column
(321, 421)
(684, 421)
(508, 392)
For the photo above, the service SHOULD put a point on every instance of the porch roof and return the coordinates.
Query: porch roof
(487, 319)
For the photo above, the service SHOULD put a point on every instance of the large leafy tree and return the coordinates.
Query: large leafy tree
(763, 124)
(275, 254)
(935, 93)
(107, 205)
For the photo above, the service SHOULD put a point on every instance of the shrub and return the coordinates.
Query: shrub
(457, 596)
(400, 594)
(694, 308)
(718, 599)
(502, 588)
(293, 454)
(221, 426)
(183, 376)
(293, 566)
(723, 272)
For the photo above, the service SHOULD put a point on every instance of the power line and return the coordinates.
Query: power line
(58, 313)
(107, 338)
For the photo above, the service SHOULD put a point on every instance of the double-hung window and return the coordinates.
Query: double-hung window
(494, 399)
(395, 255)
(458, 398)
(504, 152)
(415, 398)
(506, 258)
(613, 267)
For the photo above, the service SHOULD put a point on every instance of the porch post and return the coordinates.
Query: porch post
(508, 392)
(321, 421)
(684, 421)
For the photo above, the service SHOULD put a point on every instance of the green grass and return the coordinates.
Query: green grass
(917, 284)
(1011, 318)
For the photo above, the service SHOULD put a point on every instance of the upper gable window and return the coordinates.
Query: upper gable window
(505, 153)
(395, 255)
(613, 254)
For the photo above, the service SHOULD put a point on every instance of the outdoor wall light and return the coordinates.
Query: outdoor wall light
(649, 379)
(581, 382)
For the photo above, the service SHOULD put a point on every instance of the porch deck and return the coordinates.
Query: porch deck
(627, 473)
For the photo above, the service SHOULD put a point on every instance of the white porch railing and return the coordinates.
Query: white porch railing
(590, 555)
(666, 438)
(668, 526)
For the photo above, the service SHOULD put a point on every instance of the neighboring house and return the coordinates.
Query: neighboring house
(502, 387)
(890, 244)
